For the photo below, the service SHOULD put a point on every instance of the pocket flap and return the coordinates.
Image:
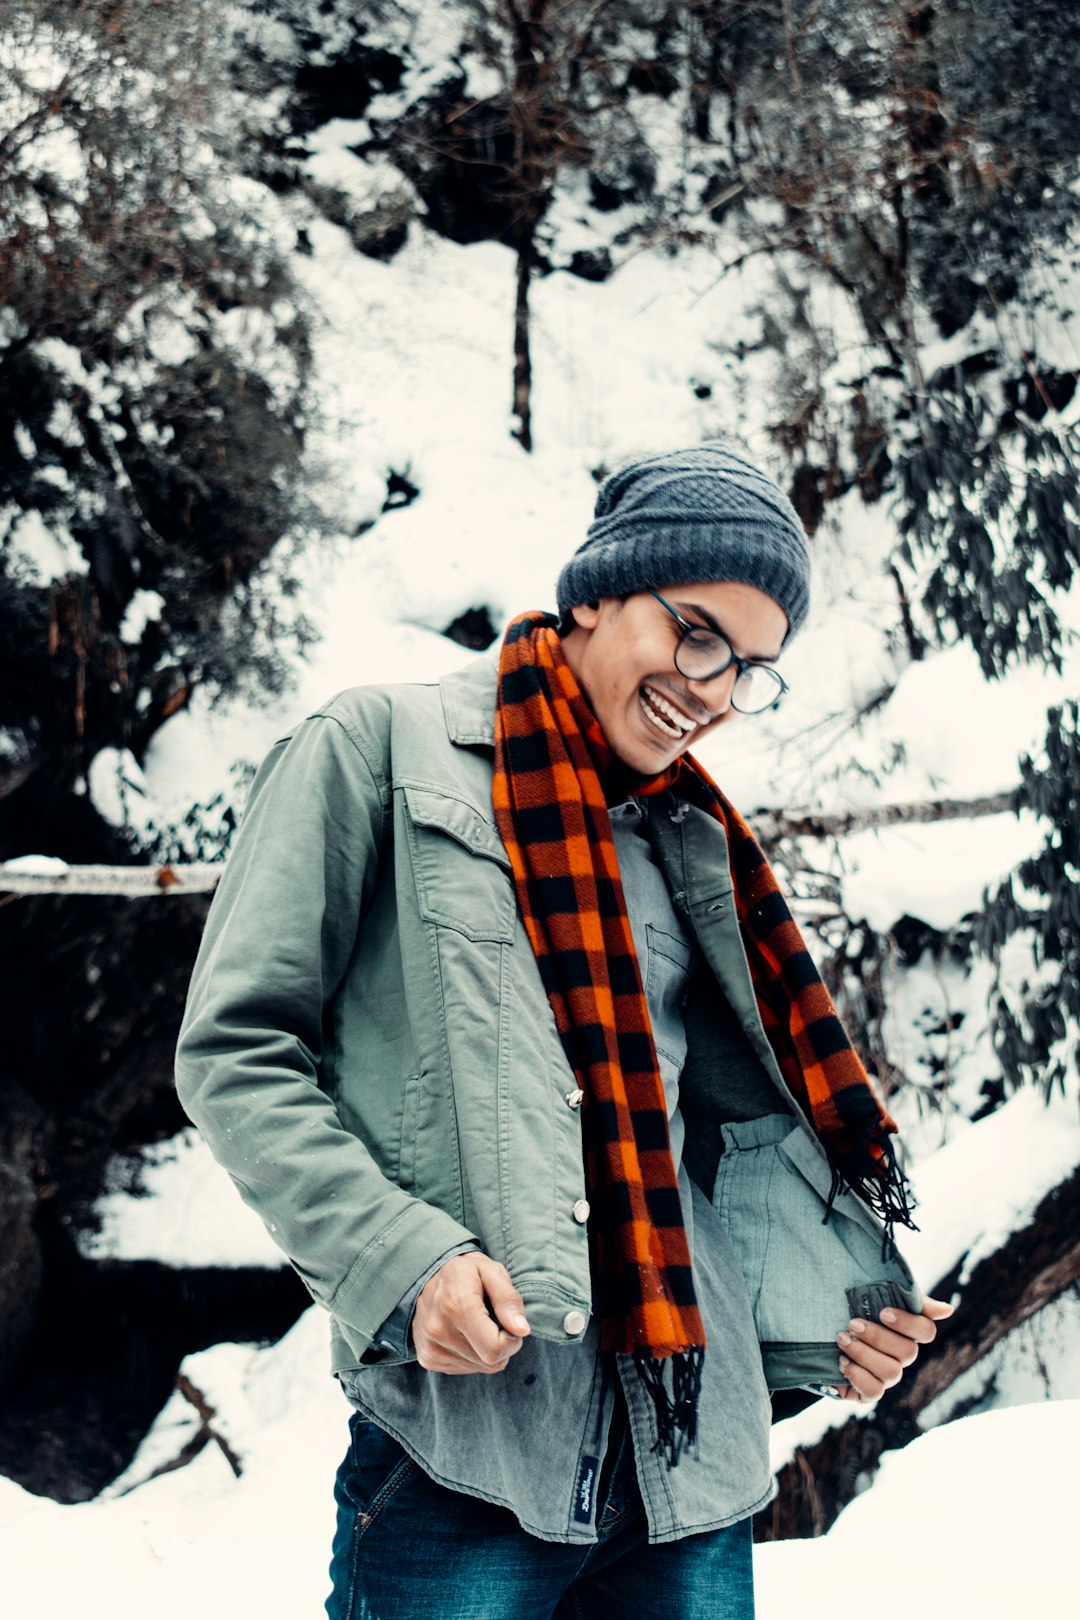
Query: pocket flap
(458, 820)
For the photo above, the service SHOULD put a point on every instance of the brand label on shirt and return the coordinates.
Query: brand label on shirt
(585, 1489)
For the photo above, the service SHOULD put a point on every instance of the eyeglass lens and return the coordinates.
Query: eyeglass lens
(702, 656)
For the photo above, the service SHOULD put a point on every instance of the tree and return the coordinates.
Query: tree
(152, 365)
(906, 176)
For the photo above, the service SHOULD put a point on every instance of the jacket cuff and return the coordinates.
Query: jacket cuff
(395, 1335)
(372, 1288)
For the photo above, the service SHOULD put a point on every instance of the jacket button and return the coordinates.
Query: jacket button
(574, 1099)
(574, 1322)
(581, 1211)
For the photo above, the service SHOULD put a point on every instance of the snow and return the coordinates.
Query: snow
(144, 608)
(169, 339)
(36, 865)
(332, 163)
(948, 713)
(974, 1518)
(1038, 1361)
(937, 1031)
(337, 135)
(41, 552)
(987, 1181)
(197, 1539)
(936, 871)
(182, 1211)
(118, 788)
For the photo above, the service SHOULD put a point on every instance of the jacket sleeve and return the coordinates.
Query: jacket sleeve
(278, 940)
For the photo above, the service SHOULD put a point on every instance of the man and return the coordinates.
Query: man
(501, 1024)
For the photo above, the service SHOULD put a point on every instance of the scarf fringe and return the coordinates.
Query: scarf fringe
(676, 1413)
(876, 1178)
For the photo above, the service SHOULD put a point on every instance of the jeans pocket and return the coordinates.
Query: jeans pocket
(376, 1467)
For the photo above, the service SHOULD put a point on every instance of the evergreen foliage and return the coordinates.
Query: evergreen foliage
(1032, 1034)
(989, 507)
(923, 155)
(152, 366)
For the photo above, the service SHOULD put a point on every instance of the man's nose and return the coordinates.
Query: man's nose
(714, 694)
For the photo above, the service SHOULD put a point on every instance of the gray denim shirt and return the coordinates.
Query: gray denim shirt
(531, 1438)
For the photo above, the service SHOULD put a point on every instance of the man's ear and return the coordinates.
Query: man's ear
(585, 614)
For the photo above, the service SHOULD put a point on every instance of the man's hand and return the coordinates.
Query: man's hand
(873, 1355)
(469, 1317)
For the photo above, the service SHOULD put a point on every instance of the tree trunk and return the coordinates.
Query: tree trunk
(522, 356)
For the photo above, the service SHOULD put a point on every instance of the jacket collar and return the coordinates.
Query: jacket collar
(468, 700)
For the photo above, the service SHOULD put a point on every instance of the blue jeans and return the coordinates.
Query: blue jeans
(406, 1548)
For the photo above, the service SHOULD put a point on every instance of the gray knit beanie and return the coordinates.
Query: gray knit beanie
(687, 516)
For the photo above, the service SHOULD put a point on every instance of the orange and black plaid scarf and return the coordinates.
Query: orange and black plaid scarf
(550, 761)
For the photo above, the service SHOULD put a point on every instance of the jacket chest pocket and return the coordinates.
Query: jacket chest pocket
(461, 867)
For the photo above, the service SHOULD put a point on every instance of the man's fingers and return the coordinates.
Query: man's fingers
(886, 1369)
(484, 1339)
(887, 1342)
(504, 1299)
(921, 1328)
(455, 1329)
(866, 1384)
(476, 1320)
(475, 1346)
(436, 1359)
(873, 1355)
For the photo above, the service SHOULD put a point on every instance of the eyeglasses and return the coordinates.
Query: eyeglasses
(701, 654)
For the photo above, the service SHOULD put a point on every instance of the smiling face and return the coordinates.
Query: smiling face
(623, 654)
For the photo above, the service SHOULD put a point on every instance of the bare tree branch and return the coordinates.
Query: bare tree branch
(191, 1392)
(130, 882)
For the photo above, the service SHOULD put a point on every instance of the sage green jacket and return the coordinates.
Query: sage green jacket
(367, 1045)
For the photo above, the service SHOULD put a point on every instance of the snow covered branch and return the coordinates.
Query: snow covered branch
(771, 825)
(41, 874)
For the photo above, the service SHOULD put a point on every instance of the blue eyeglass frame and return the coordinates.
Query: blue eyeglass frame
(741, 664)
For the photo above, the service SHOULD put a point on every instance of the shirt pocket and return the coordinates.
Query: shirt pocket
(806, 1275)
(461, 867)
(667, 973)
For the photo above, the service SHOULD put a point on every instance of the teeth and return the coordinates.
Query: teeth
(656, 707)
